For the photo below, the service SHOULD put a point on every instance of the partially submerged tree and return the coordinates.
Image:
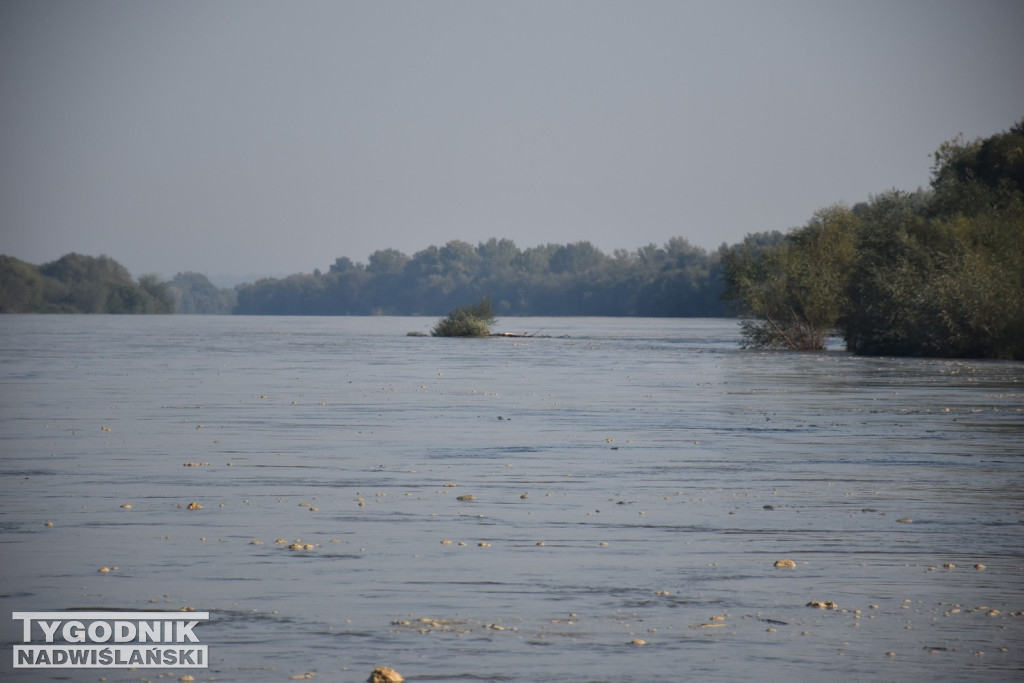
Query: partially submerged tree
(473, 320)
(791, 292)
(932, 273)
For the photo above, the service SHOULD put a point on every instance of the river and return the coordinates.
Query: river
(603, 501)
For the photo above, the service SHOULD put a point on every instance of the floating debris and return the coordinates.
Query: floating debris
(466, 498)
(980, 567)
(126, 506)
(905, 520)
(638, 641)
(385, 674)
(785, 564)
(827, 604)
(194, 506)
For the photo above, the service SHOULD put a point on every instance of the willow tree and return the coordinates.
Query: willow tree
(792, 293)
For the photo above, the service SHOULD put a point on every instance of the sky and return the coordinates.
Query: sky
(256, 137)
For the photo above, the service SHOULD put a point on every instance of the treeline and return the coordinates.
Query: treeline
(98, 284)
(936, 272)
(677, 279)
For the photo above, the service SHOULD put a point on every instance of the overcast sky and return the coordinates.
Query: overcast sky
(264, 137)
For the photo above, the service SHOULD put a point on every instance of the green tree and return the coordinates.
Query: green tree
(343, 264)
(946, 277)
(22, 286)
(387, 261)
(793, 294)
(76, 283)
(576, 258)
(193, 293)
(950, 286)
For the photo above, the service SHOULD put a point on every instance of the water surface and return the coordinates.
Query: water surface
(632, 480)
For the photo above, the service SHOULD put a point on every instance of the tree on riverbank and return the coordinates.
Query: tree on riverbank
(790, 293)
(937, 273)
(98, 284)
(194, 293)
(946, 279)
(79, 284)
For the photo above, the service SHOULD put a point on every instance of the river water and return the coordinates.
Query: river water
(632, 484)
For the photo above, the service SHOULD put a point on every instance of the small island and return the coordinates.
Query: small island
(471, 320)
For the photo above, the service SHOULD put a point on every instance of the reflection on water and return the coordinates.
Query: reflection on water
(630, 480)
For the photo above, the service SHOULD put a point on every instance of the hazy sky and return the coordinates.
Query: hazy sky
(271, 137)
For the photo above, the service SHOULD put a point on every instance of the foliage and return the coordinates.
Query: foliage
(946, 279)
(551, 279)
(22, 286)
(791, 293)
(929, 273)
(194, 293)
(472, 320)
(79, 284)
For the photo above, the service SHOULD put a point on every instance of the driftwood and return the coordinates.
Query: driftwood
(516, 334)
(512, 335)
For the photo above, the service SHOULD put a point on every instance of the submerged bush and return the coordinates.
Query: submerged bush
(467, 321)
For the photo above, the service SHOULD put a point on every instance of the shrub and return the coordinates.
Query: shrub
(467, 321)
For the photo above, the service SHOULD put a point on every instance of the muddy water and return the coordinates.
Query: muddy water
(632, 484)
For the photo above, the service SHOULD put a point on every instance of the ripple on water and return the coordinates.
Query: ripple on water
(643, 479)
